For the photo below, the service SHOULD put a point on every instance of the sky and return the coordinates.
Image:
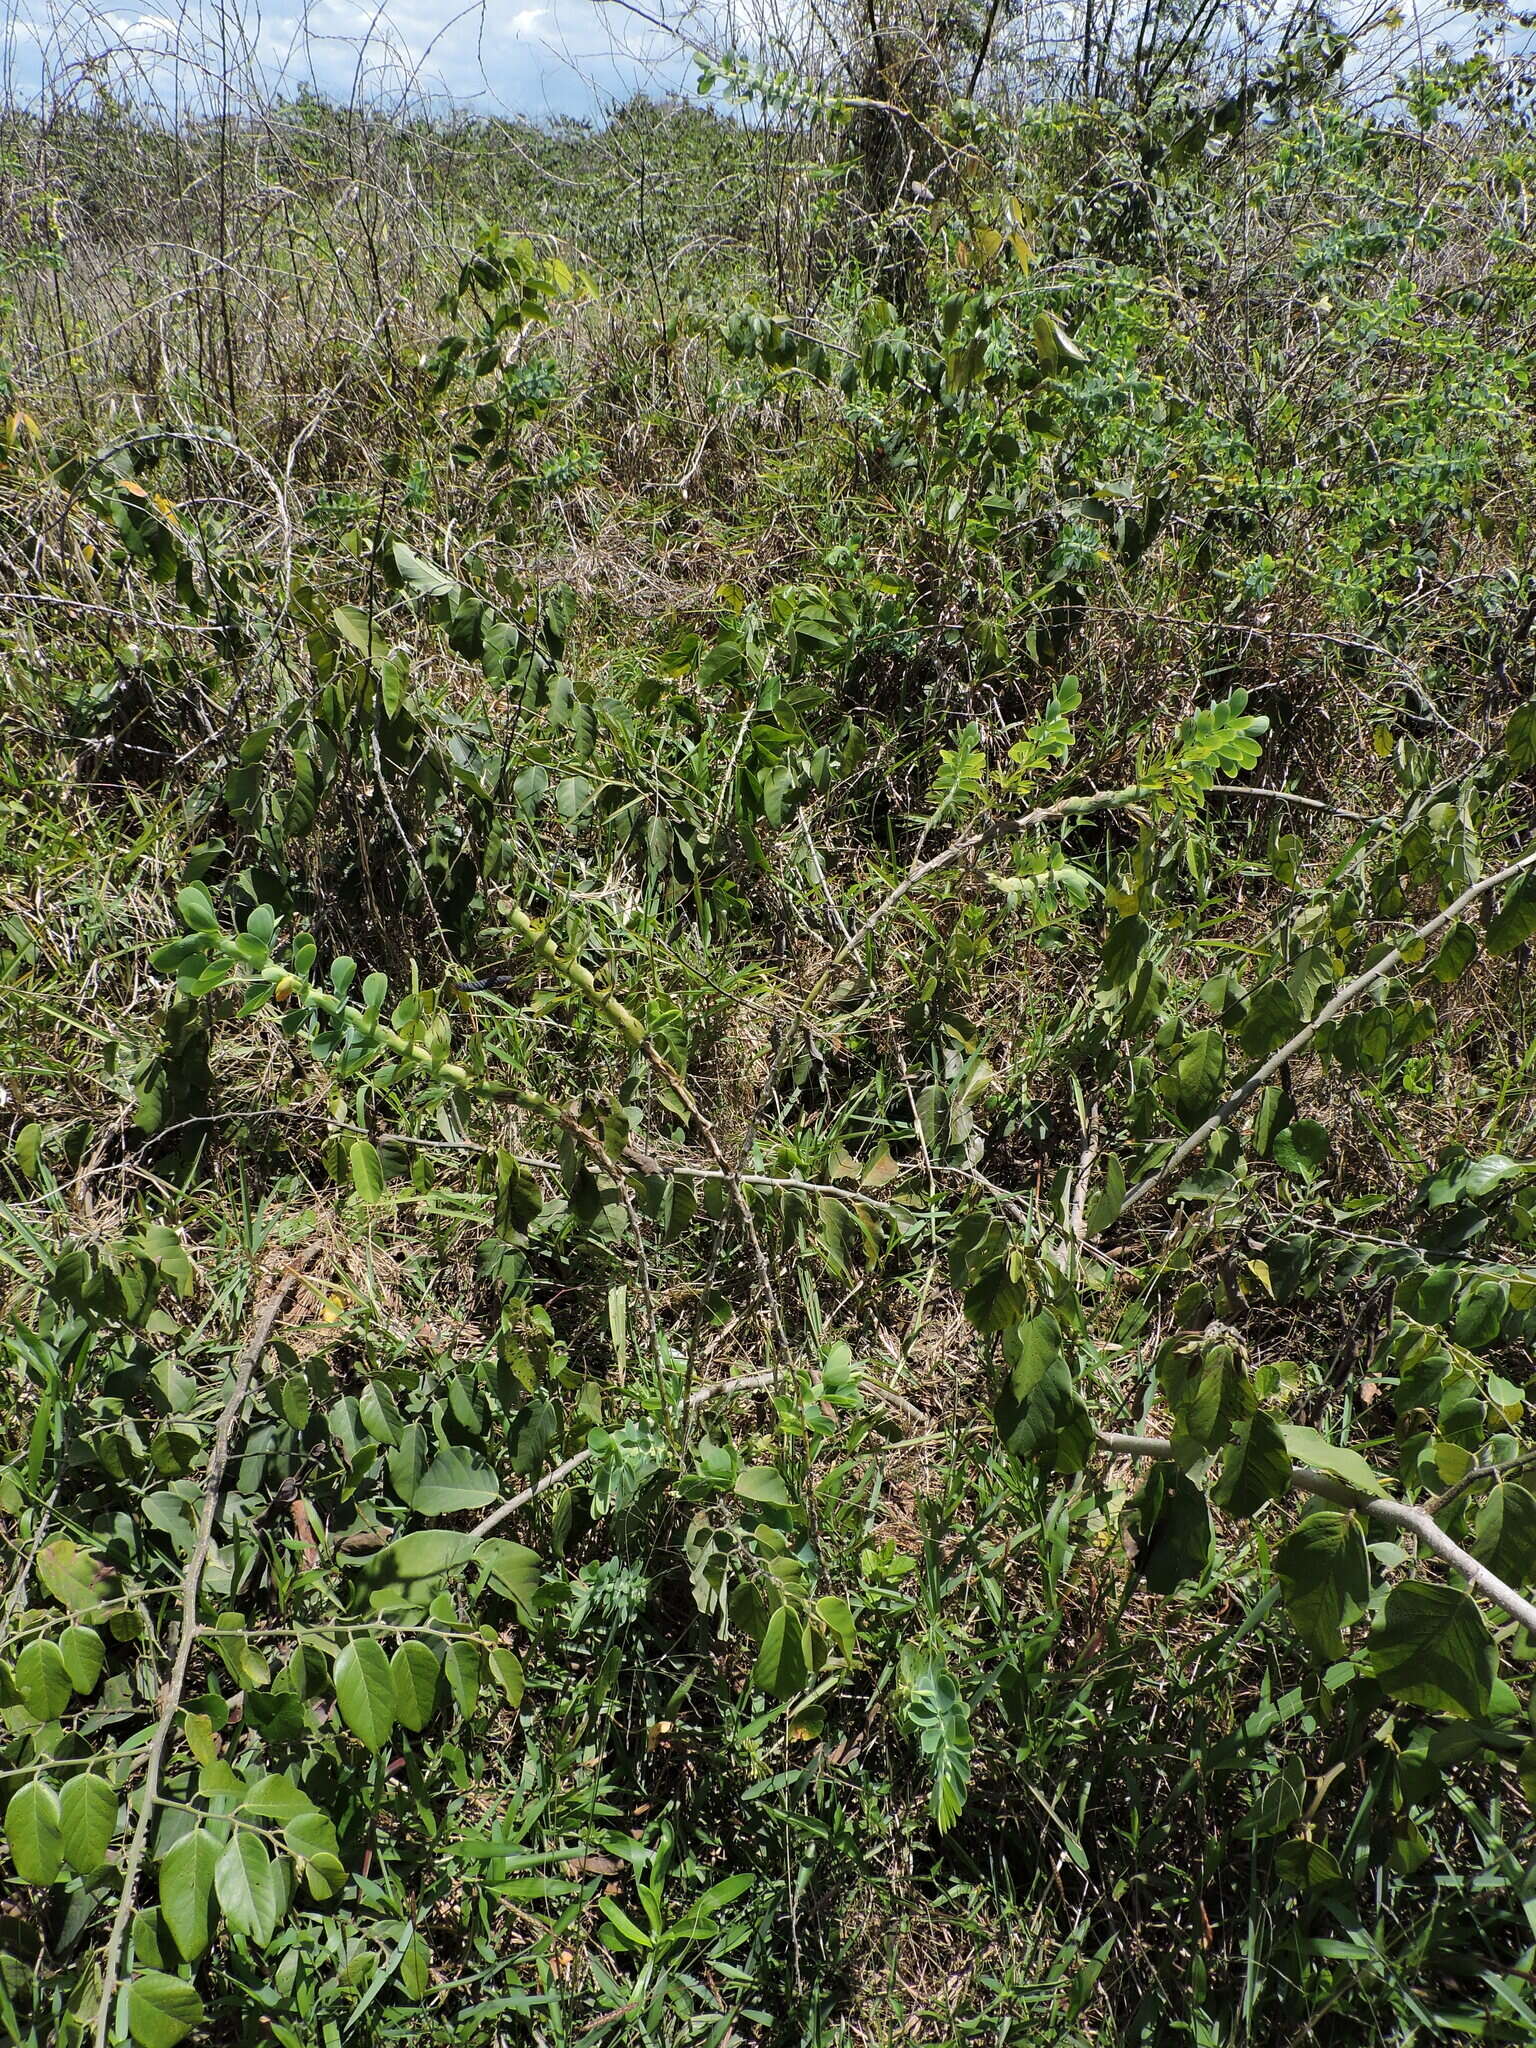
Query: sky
(559, 57)
(532, 57)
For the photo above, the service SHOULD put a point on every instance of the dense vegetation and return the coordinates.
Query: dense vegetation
(768, 1169)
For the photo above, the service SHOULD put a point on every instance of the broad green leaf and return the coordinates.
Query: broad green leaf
(782, 1668)
(423, 1554)
(1307, 1447)
(454, 1482)
(246, 1886)
(1193, 1086)
(1505, 1533)
(416, 1676)
(33, 1834)
(1300, 1147)
(196, 909)
(83, 1653)
(365, 1691)
(514, 1570)
(42, 1678)
(367, 1171)
(1208, 1394)
(87, 1821)
(1255, 1467)
(1039, 1415)
(75, 1578)
(415, 1970)
(762, 1483)
(27, 1151)
(309, 1834)
(186, 1891)
(508, 1674)
(1173, 1528)
(1324, 1579)
(996, 1298)
(464, 1667)
(1271, 1018)
(1514, 923)
(162, 2010)
(275, 1796)
(1432, 1649)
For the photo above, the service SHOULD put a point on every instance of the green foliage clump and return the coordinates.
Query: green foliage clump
(769, 1192)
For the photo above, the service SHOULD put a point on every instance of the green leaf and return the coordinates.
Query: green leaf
(1505, 1533)
(453, 1482)
(508, 1674)
(162, 2010)
(1301, 1147)
(1515, 920)
(1208, 1394)
(1308, 1448)
(464, 1667)
(367, 1172)
(1255, 1468)
(196, 910)
(28, 1150)
(1039, 1415)
(365, 1691)
(1173, 1527)
(1520, 737)
(764, 1483)
(416, 1675)
(514, 1570)
(996, 1298)
(1324, 1578)
(83, 1653)
(1271, 1018)
(186, 1891)
(42, 1679)
(87, 1822)
(1432, 1649)
(33, 1834)
(75, 1578)
(246, 1885)
(1193, 1086)
(423, 1554)
(782, 1668)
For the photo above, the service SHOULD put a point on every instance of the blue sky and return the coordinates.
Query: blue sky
(559, 57)
(536, 57)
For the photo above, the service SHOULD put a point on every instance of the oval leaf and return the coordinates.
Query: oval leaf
(186, 1891)
(1432, 1649)
(32, 1833)
(365, 1691)
(87, 1822)
(162, 2010)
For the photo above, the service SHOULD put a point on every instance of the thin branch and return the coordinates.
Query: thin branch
(1065, 807)
(185, 1638)
(1393, 1514)
(1290, 796)
(1476, 1477)
(743, 1383)
(1339, 1000)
